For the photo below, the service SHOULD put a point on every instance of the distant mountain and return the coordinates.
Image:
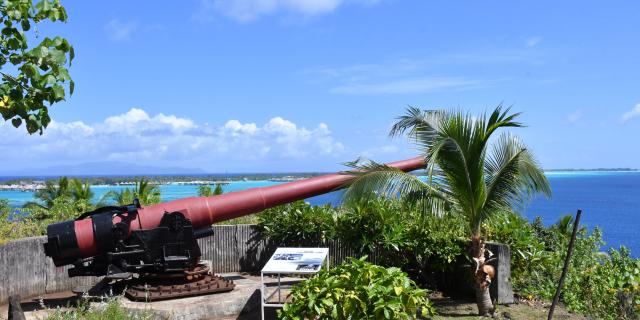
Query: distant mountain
(103, 168)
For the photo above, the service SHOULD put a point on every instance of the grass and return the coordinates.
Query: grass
(109, 310)
(524, 310)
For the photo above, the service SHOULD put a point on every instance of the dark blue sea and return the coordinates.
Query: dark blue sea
(609, 200)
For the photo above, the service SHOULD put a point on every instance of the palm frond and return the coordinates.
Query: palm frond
(502, 119)
(513, 175)
(374, 180)
(420, 126)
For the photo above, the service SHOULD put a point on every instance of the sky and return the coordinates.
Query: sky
(306, 85)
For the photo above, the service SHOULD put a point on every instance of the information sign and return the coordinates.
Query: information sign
(296, 260)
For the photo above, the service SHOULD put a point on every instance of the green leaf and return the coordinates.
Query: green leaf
(41, 51)
(32, 124)
(48, 80)
(16, 122)
(25, 25)
(29, 70)
(58, 56)
(58, 92)
(15, 58)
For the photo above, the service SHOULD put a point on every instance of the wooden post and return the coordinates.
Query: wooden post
(15, 309)
(566, 264)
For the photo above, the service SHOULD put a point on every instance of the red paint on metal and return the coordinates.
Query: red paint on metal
(205, 211)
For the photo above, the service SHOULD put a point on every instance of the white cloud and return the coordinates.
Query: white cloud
(249, 10)
(634, 112)
(136, 136)
(119, 31)
(407, 86)
(574, 116)
(533, 41)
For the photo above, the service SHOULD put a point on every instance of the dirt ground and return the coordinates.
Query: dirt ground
(523, 310)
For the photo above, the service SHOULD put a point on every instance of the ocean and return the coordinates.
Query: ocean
(609, 200)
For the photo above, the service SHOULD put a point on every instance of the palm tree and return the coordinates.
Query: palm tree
(206, 191)
(122, 197)
(218, 189)
(81, 191)
(467, 173)
(144, 191)
(51, 192)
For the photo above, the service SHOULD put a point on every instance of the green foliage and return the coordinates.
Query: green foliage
(121, 197)
(298, 223)
(358, 290)
(432, 244)
(207, 191)
(39, 78)
(369, 224)
(144, 191)
(52, 190)
(401, 235)
(110, 310)
(528, 252)
(81, 190)
(33, 220)
(218, 189)
(602, 285)
(250, 219)
(74, 189)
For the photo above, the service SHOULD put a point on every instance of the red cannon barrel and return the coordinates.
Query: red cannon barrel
(204, 211)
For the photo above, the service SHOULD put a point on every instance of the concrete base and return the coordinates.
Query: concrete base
(244, 299)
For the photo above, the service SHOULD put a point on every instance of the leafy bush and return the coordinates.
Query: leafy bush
(357, 290)
(402, 236)
(370, 224)
(298, 223)
(434, 243)
(598, 284)
(16, 223)
(528, 252)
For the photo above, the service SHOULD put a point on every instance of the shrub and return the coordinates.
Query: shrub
(529, 254)
(298, 223)
(434, 243)
(16, 223)
(401, 236)
(357, 290)
(370, 224)
(602, 285)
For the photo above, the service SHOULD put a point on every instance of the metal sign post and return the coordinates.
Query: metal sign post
(289, 261)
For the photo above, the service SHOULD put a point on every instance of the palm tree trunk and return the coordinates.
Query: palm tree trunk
(483, 300)
(482, 274)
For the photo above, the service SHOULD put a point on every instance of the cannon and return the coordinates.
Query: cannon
(158, 242)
